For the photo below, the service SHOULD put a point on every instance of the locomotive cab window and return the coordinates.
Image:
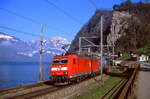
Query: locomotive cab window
(56, 61)
(60, 61)
(64, 61)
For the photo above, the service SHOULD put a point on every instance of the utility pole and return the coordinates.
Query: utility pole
(113, 30)
(41, 52)
(101, 47)
(80, 38)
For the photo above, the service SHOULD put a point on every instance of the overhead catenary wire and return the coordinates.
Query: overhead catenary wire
(93, 3)
(30, 19)
(21, 16)
(63, 11)
(19, 31)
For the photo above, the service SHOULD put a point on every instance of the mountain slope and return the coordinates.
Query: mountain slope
(137, 35)
(93, 28)
(13, 49)
(128, 24)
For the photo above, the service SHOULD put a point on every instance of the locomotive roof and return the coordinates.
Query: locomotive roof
(80, 56)
(87, 57)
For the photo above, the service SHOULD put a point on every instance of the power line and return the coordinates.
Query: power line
(21, 16)
(94, 5)
(20, 31)
(64, 12)
(29, 19)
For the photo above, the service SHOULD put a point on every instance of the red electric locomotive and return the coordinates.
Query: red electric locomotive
(72, 67)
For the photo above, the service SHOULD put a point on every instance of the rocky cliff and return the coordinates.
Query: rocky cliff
(92, 29)
(118, 26)
(114, 25)
(137, 33)
(128, 24)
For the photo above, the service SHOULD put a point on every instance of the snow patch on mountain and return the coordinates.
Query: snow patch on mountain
(54, 53)
(25, 54)
(60, 40)
(52, 46)
(7, 37)
(15, 49)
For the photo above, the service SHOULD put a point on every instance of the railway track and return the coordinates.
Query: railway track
(112, 92)
(43, 88)
(34, 90)
(36, 93)
(28, 91)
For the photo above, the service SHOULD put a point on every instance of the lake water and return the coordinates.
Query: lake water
(17, 74)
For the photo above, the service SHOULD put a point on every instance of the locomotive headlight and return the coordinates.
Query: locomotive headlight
(64, 68)
(53, 69)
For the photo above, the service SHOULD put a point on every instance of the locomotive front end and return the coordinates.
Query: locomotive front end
(59, 69)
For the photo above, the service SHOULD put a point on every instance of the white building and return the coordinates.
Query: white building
(143, 58)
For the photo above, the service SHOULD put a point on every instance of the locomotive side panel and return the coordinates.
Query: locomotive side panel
(95, 66)
(84, 66)
(73, 66)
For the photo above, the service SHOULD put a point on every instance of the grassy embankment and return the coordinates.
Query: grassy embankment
(124, 57)
(148, 61)
(99, 92)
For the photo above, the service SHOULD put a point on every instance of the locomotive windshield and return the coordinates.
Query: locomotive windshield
(60, 61)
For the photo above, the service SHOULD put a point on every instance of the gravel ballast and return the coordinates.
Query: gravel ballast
(75, 90)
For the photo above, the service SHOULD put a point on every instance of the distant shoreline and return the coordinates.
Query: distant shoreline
(22, 63)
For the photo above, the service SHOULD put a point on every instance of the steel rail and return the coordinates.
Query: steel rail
(30, 91)
(113, 90)
(118, 88)
(23, 89)
(127, 87)
(126, 90)
(36, 93)
(9, 90)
